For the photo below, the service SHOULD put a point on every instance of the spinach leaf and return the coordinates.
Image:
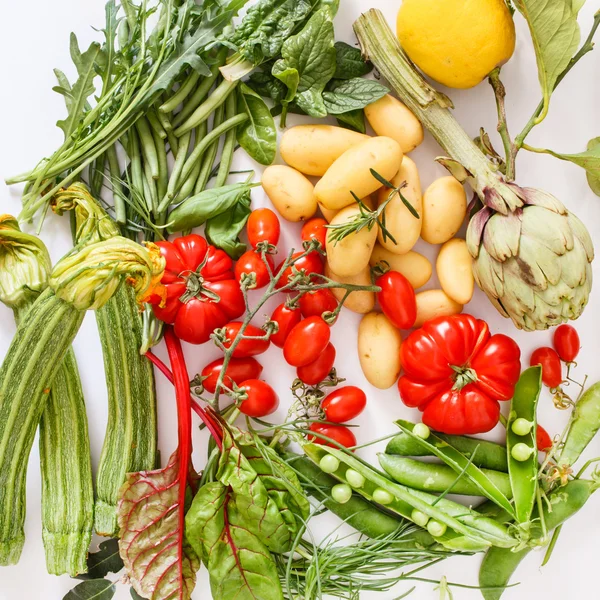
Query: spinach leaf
(267, 86)
(345, 95)
(349, 62)
(555, 34)
(94, 589)
(312, 54)
(257, 136)
(106, 560)
(223, 231)
(353, 119)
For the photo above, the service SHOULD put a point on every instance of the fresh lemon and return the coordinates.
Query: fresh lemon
(456, 42)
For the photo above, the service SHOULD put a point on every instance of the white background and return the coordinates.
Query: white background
(35, 39)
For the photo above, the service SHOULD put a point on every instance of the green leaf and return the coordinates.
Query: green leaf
(289, 77)
(556, 36)
(106, 560)
(345, 95)
(83, 87)
(349, 62)
(353, 119)
(94, 589)
(135, 595)
(223, 231)
(257, 136)
(239, 564)
(267, 86)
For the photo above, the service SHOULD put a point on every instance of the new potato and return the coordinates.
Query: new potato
(370, 202)
(389, 117)
(455, 271)
(351, 254)
(414, 266)
(379, 350)
(444, 210)
(351, 172)
(358, 302)
(292, 194)
(435, 303)
(312, 149)
(399, 221)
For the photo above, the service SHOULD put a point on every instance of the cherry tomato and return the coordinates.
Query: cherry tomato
(263, 226)
(544, 441)
(311, 263)
(338, 433)
(245, 348)
(315, 229)
(314, 304)
(252, 262)
(306, 341)
(287, 318)
(551, 366)
(345, 404)
(238, 370)
(397, 299)
(566, 343)
(315, 372)
(261, 400)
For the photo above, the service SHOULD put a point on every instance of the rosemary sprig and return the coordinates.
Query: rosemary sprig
(396, 190)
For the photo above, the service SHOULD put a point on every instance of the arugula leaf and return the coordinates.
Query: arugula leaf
(106, 58)
(343, 96)
(223, 231)
(312, 54)
(257, 136)
(239, 564)
(94, 589)
(349, 62)
(82, 89)
(353, 119)
(556, 36)
(267, 86)
(106, 560)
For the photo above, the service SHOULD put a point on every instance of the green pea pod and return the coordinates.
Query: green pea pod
(523, 473)
(488, 456)
(461, 464)
(436, 478)
(499, 564)
(584, 427)
(405, 500)
(196, 210)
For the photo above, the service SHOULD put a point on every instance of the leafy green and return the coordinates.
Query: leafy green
(289, 77)
(267, 86)
(257, 136)
(135, 595)
(556, 36)
(345, 95)
(349, 62)
(223, 231)
(239, 564)
(353, 119)
(106, 560)
(94, 589)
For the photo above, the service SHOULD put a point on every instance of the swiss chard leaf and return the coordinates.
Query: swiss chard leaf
(349, 62)
(257, 136)
(106, 560)
(158, 559)
(354, 119)
(343, 96)
(223, 231)
(556, 36)
(94, 589)
(239, 564)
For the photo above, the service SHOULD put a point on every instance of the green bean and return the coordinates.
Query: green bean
(147, 145)
(210, 155)
(436, 478)
(201, 114)
(117, 187)
(184, 144)
(165, 121)
(523, 473)
(155, 124)
(489, 455)
(173, 143)
(499, 564)
(584, 426)
(163, 166)
(97, 174)
(229, 145)
(133, 150)
(150, 189)
(181, 94)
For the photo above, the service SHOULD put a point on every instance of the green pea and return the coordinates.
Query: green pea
(341, 493)
(382, 496)
(329, 464)
(436, 529)
(354, 478)
(419, 518)
(522, 426)
(421, 430)
(521, 452)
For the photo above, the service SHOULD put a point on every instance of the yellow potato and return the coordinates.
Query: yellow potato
(351, 254)
(435, 303)
(379, 345)
(455, 271)
(370, 202)
(312, 149)
(351, 172)
(414, 266)
(292, 194)
(389, 117)
(444, 210)
(358, 302)
(399, 221)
